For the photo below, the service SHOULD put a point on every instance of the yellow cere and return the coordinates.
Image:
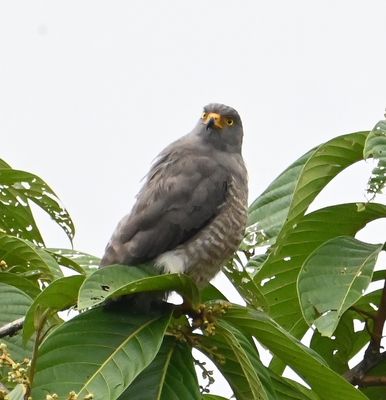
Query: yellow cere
(219, 120)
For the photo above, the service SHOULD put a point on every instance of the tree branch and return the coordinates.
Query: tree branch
(379, 321)
(370, 380)
(373, 355)
(11, 328)
(356, 374)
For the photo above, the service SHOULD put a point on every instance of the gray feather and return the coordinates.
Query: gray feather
(184, 191)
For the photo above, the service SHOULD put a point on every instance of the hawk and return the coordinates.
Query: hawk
(190, 215)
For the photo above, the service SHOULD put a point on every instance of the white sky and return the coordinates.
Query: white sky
(91, 91)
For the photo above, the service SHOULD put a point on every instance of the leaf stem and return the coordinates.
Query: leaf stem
(363, 312)
(39, 336)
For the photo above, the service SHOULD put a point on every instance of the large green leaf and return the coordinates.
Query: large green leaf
(278, 275)
(15, 214)
(19, 253)
(287, 389)
(59, 295)
(99, 352)
(16, 188)
(210, 292)
(334, 277)
(348, 340)
(326, 162)
(239, 363)
(171, 376)
(245, 284)
(269, 211)
(375, 147)
(341, 348)
(289, 196)
(13, 305)
(76, 260)
(31, 288)
(242, 367)
(119, 280)
(302, 360)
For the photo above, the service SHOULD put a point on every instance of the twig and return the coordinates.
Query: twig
(379, 321)
(206, 374)
(11, 328)
(373, 355)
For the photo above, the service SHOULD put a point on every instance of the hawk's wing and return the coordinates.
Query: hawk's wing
(183, 192)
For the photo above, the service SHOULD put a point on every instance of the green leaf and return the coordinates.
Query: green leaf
(239, 363)
(278, 276)
(326, 162)
(375, 147)
(119, 280)
(244, 284)
(302, 360)
(212, 397)
(288, 389)
(244, 356)
(99, 352)
(289, 196)
(210, 292)
(365, 302)
(19, 252)
(16, 188)
(171, 376)
(342, 347)
(333, 278)
(13, 305)
(66, 262)
(76, 260)
(347, 341)
(59, 295)
(269, 211)
(25, 285)
(15, 214)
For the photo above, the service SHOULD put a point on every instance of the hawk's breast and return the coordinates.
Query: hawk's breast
(202, 256)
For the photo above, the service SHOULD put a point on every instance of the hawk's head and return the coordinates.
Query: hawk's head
(221, 126)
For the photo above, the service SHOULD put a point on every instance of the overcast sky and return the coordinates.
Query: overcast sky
(91, 91)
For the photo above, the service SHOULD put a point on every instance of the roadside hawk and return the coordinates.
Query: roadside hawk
(190, 214)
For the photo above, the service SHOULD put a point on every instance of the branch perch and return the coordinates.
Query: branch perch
(12, 328)
(373, 355)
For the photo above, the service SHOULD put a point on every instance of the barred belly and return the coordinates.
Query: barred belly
(204, 254)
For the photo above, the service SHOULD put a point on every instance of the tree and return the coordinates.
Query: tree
(298, 272)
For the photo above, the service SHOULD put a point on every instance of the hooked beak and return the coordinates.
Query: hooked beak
(210, 123)
(213, 120)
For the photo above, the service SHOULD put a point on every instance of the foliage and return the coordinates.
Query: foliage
(295, 271)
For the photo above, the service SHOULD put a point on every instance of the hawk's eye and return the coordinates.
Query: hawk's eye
(229, 121)
(204, 115)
